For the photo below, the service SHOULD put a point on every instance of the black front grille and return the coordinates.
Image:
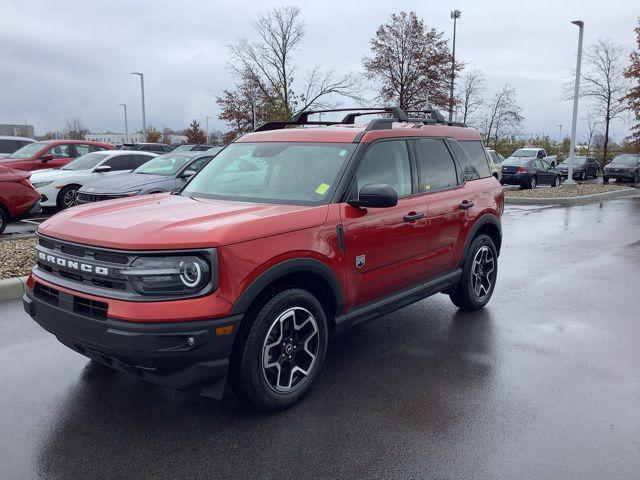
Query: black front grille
(47, 294)
(90, 308)
(91, 197)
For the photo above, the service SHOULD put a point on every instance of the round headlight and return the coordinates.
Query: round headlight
(191, 274)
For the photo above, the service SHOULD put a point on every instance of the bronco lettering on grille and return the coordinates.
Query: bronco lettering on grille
(72, 264)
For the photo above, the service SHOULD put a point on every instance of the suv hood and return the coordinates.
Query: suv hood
(164, 221)
(123, 182)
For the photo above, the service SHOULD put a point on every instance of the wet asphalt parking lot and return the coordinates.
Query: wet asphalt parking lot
(543, 383)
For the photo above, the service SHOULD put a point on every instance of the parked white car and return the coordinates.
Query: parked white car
(495, 162)
(59, 187)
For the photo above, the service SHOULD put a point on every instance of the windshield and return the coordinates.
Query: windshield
(626, 160)
(28, 151)
(86, 162)
(182, 148)
(168, 164)
(525, 153)
(576, 161)
(278, 172)
(516, 162)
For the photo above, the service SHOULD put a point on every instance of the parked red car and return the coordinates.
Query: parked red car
(288, 237)
(51, 154)
(17, 196)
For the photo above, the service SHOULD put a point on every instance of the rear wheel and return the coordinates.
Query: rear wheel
(533, 183)
(479, 274)
(556, 181)
(68, 197)
(280, 355)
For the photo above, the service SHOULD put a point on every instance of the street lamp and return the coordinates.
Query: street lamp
(576, 95)
(126, 126)
(208, 129)
(560, 140)
(144, 120)
(455, 15)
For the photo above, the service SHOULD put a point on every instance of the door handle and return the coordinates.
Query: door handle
(413, 216)
(466, 204)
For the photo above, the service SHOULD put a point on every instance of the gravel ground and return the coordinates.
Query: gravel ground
(564, 191)
(16, 257)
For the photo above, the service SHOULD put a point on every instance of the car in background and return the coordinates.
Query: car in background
(17, 196)
(495, 162)
(9, 144)
(59, 187)
(535, 152)
(623, 167)
(195, 148)
(529, 172)
(158, 148)
(51, 154)
(166, 173)
(583, 168)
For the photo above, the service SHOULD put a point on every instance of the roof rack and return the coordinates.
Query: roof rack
(395, 114)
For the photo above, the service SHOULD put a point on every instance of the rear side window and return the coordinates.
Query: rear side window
(9, 146)
(121, 162)
(83, 149)
(437, 169)
(386, 162)
(478, 157)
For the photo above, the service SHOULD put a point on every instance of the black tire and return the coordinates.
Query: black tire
(636, 177)
(258, 384)
(557, 181)
(464, 295)
(533, 183)
(583, 175)
(67, 197)
(4, 220)
(605, 179)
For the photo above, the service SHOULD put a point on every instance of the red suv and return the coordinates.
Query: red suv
(290, 236)
(17, 196)
(51, 154)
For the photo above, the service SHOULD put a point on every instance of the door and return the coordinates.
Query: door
(448, 202)
(385, 248)
(62, 154)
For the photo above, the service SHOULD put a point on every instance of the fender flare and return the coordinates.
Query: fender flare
(295, 265)
(486, 219)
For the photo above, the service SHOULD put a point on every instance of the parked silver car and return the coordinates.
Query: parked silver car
(165, 173)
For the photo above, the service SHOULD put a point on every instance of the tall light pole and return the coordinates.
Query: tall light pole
(560, 140)
(126, 125)
(208, 129)
(455, 14)
(144, 119)
(576, 96)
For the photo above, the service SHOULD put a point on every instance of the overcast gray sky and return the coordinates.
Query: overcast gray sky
(72, 58)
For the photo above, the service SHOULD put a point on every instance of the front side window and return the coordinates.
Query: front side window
(478, 156)
(437, 168)
(386, 162)
(273, 172)
(120, 163)
(168, 164)
(60, 151)
(140, 160)
(197, 165)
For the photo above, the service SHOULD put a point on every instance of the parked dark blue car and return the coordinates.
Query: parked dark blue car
(529, 173)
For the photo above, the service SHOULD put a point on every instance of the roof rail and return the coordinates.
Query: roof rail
(395, 114)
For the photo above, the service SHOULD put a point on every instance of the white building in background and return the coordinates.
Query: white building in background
(111, 137)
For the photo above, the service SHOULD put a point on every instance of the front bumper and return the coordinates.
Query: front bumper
(179, 355)
(48, 195)
(619, 175)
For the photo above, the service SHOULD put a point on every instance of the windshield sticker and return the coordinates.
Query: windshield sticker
(322, 189)
(342, 153)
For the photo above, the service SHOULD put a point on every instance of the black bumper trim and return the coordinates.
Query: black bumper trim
(179, 355)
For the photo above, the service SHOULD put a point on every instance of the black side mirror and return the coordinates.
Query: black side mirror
(375, 195)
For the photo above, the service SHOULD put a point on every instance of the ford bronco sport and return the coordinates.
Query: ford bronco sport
(290, 236)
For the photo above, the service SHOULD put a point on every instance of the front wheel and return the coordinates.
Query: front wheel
(68, 197)
(479, 274)
(280, 355)
(556, 181)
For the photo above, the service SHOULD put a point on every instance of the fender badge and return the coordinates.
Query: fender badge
(360, 261)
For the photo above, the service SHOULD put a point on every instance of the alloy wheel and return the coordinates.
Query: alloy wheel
(290, 350)
(70, 198)
(482, 274)
(533, 182)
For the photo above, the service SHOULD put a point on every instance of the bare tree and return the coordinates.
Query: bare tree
(410, 61)
(75, 129)
(266, 69)
(592, 131)
(502, 116)
(472, 90)
(603, 81)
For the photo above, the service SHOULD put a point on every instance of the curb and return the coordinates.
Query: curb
(12, 288)
(571, 201)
